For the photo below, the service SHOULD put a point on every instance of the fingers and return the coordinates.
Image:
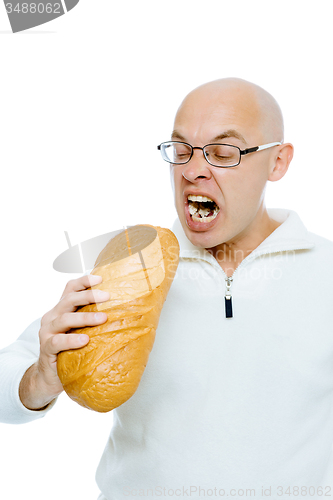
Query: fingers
(67, 321)
(63, 342)
(64, 317)
(75, 295)
(54, 341)
(82, 283)
(73, 300)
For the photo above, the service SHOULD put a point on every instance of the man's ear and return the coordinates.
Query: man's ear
(282, 161)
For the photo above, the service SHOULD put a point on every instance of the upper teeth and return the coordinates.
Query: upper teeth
(192, 197)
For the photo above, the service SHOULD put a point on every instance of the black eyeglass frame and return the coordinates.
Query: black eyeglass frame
(241, 152)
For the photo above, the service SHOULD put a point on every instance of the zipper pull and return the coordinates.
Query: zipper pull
(228, 298)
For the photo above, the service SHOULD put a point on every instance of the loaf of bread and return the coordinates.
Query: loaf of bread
(138, 266)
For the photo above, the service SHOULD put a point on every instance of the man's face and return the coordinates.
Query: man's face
(238, 191)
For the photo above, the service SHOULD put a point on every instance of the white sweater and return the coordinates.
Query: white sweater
(225, 404)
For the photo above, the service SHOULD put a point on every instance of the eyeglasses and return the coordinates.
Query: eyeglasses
(217, 155)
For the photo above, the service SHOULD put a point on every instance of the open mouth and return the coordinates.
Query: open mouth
(202, 209)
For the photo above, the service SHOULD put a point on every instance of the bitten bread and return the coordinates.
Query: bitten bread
(138, 266)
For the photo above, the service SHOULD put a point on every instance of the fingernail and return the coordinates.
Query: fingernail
(100, 316)
(83, 339)
(102, 294)
(96, 277)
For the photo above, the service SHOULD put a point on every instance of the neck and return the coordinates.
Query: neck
(231, 253)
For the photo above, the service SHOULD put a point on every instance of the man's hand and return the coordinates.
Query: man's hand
(40, 383)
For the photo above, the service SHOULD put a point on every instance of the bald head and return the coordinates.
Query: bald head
(253, 105)
(243, 115)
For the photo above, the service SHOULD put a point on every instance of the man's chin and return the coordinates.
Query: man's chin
(204, 238)
(201, 224)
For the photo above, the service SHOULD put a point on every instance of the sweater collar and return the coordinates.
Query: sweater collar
(290, 235)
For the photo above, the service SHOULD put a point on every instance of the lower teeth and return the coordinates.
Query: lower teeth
(201, 213)
(204, 219)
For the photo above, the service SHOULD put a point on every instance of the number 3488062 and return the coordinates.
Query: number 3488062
(33, 8)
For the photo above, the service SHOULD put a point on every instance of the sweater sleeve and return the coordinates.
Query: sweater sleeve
(15, 359)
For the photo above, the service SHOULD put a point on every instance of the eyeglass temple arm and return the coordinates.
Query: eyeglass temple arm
(270, 145)
(260, 148)
(250, 150)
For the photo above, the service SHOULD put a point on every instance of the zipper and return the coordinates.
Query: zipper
(228, 297)
(229, 279)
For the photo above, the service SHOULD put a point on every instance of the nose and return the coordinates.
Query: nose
(198, 167)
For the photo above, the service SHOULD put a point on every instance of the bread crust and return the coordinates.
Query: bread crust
(107, 371)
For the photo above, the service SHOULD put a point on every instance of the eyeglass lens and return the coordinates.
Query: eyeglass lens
(220, 155)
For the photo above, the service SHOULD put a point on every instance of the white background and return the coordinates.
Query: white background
(84, 101)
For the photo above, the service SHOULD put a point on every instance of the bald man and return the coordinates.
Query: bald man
(236, 399)
(229, 111)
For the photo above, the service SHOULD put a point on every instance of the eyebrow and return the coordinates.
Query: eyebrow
(224, 135)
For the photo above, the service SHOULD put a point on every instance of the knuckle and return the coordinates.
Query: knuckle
(69, 303)
(55, 342)
(69, 286)
(45, 319)
(59, 324)
(69, 298)
(64, 321)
